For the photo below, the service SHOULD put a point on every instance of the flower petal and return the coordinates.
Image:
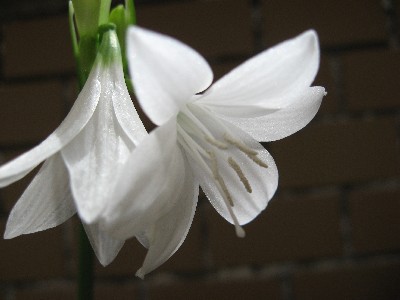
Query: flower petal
(105, 247)
(46, 202)
(165, 236)
(96, 155)
(165, 72)
(148, 184)
(77, 118)
(285, 121)
(249, 183)
(267, 81)
(124, 109)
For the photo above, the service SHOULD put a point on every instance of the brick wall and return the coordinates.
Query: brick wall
(331, 232)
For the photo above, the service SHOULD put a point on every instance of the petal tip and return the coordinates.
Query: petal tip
(319, 90)
(105, 261)
(10, 234)
(140, 273)
(87, 216)
(7, 236)
(309, 38)
(310, 34)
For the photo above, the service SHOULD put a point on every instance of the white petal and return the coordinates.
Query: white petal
(46, 202)
(94, 157)
(105, 247)
(263, 181)
(268, 80)
(166, 235)
(285, 121)
(68, 129)
(148, 184)
(124, 109)
(165, 72)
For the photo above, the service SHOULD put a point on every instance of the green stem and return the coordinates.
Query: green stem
(86, 255)
(86, 259)
(87, 56)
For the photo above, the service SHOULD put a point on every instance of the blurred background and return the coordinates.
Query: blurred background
(332, 230)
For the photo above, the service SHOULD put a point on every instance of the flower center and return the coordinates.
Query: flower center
(208, 145)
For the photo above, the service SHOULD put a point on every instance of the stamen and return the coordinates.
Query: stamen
(258, 161)
(218, 178)
(234, 165)
(240, 231)
(216, 143)
(189, 141)
(225, 195)
(242, 147)
(252, 154)
(194, 123)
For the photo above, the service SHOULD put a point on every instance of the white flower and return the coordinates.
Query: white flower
(207, 139)
(81, 157)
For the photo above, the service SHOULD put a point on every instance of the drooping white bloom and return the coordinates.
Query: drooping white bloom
(81, 157)
(207, 139)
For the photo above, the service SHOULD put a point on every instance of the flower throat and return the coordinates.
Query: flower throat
(207, 150)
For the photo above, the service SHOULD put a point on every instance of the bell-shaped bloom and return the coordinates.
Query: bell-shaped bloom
(81, 157)
(207, 137)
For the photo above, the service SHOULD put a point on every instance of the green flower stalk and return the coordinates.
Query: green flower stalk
(89, 16)
(123, 17)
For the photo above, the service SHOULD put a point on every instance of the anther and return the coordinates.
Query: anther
(252, 154)
(240, 231)
(216, 143)
(258, 161)
(228, 199)
(234, 165)
(218, 178)
(242, 147)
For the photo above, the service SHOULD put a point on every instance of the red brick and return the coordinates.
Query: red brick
(29, 112)
(291, 228)
(120, 291)
(47, 291)
(346, 151)
(4, 292)
(330, 103)
(375, 281)
(37, 47)
(234, 289)
(337, 22)
(371, 78)
(211, 27)
(32, 256)
(375, 219)
(397, 12)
